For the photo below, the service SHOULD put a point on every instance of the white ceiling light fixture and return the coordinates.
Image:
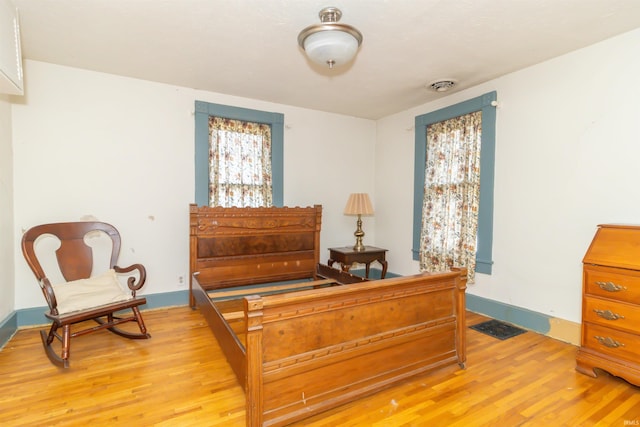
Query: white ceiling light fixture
(330, 43)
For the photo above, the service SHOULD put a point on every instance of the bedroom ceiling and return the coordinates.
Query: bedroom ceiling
(248, 48)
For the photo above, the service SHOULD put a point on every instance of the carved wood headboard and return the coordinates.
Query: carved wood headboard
(243, 246)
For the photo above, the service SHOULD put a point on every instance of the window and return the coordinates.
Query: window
(203, 112)
(239, 163)
(482, 103)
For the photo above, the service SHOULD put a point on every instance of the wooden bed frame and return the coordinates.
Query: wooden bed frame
(304, 347)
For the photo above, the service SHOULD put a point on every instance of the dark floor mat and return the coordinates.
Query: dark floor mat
(498, 329)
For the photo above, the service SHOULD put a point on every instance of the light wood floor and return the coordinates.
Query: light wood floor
(180, 378)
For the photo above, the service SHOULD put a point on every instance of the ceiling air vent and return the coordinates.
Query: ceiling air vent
(442, 85)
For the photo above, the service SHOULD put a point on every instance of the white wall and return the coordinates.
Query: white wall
(568, 144)
(7, 288)
(121, 150)
(88, 144)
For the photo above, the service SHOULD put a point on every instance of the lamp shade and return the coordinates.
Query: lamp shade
(358, 204)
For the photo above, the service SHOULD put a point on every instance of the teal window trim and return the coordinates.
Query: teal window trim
(484, 259)
(202, 112)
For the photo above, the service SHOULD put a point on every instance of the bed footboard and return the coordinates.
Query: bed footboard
(313, 350)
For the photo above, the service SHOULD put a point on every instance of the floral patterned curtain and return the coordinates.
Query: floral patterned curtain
(239, 163)
(451, 195)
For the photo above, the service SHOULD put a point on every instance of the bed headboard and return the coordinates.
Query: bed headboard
(243, 246)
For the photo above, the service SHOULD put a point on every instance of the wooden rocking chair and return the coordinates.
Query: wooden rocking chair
(80, 296)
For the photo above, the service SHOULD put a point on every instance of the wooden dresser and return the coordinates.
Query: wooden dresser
(611, 304)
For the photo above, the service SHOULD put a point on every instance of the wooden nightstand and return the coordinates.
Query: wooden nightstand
(346, 256)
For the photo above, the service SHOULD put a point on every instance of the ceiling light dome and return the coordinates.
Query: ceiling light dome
(330, 43)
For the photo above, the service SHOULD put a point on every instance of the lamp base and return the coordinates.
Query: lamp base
(359, 247)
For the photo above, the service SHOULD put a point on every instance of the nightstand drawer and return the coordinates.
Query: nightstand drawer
(610, 341)
(614, 283)
(612, 314)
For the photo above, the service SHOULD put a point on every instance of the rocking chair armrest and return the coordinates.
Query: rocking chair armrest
(49, 295)
(131, 281)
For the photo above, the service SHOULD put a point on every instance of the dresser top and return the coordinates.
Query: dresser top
(615, 245)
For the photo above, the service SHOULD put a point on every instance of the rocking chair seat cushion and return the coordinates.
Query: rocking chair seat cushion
(89, 293)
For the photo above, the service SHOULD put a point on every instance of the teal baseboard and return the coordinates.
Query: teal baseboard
(7, 328)
(167, 299)
(29, 317)
(527, 319)
(522, 317)
(518, 316)
(374, 273)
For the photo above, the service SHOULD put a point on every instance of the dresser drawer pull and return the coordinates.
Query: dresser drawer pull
(611, 287)
(608, 314)
(609, 342)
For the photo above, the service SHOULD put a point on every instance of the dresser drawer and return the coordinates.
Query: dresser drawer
(610, 341)
(612, 314)
(615, 283)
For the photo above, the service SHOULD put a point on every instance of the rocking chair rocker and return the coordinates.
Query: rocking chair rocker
(80, 297)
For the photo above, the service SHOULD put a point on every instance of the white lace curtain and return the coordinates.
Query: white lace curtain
(451, 195)
(239, 163)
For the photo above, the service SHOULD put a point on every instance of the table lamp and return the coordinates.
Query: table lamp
(358, 204)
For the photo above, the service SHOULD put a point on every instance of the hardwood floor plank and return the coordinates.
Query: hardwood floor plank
(180, 378)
